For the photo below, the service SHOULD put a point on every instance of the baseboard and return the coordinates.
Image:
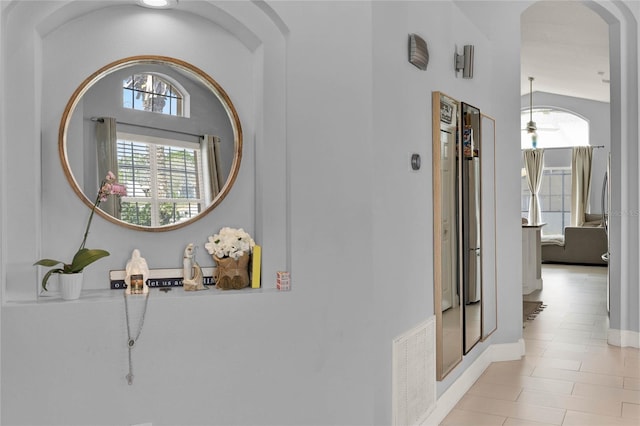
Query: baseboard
(507, 351)
(448, 400)
(623, 338)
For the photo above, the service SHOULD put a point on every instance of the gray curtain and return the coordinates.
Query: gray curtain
(580, 183)
(533, 163)
(107, 151)
(211, 150)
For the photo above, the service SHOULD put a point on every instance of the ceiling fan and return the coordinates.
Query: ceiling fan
(531, 127)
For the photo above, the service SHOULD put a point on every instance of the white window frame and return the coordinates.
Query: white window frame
(526, 196)
(154, 200)
(186, 97)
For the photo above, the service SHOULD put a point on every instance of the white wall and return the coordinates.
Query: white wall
(361, 249)
(334, 97)
(403, 207)
(293, 358)
(3, 204)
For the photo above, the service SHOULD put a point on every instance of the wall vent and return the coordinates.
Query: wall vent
(414, 374)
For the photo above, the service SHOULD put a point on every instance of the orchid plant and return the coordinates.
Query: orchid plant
(230, 242)
(84, 256)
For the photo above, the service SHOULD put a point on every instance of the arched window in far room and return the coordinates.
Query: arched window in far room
(556, 128)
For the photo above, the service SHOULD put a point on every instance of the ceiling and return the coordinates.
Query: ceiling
(565, 48)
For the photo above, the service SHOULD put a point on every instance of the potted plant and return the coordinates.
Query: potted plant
(72, 272)
(231, 249)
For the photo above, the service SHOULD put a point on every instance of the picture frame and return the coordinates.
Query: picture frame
(446, 112)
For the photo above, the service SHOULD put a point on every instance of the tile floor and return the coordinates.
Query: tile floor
(569, 376)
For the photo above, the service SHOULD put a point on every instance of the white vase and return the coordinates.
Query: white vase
(70, 285)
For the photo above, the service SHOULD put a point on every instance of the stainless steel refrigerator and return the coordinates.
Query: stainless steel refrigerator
(472, 271)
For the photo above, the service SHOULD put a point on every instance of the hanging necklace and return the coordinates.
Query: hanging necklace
(133, 340)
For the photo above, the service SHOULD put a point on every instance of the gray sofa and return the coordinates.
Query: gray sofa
(583, 245)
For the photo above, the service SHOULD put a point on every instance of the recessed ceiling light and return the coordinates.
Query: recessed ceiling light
(158, 4)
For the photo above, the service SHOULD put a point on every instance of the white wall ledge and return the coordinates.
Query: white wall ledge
(108, 295)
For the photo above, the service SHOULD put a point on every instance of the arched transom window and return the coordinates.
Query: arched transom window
(154, 93)
(556, 128)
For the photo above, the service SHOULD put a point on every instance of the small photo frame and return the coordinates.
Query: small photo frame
(446, 112)
(137, 284)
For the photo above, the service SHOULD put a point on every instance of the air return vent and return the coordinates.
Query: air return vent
(418, 52)
(414, 374)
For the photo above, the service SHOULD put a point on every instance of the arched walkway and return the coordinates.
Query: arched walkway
(624, 225)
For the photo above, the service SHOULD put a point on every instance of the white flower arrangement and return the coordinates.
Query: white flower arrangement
(230, 242)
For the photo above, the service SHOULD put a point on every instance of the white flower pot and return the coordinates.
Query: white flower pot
(70, 285)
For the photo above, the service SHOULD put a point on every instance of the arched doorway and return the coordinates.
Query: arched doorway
(623, 214)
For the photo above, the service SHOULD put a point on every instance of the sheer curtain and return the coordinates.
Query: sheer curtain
(533, 163)
(107, 150)
(580, 183)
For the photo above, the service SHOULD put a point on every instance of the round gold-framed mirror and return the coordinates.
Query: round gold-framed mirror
(168, 132)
